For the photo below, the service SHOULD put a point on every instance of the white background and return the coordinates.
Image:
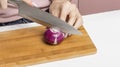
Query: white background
(104, 30)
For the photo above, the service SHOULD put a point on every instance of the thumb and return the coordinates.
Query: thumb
(3, 4)
(28, 2)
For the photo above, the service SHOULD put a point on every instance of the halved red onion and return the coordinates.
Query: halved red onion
(53, 35)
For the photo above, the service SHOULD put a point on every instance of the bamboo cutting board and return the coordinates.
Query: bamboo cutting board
(26, 46)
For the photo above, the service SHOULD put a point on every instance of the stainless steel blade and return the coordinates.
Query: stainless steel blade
(44, 18)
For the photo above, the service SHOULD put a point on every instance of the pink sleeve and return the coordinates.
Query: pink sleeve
(11, 13)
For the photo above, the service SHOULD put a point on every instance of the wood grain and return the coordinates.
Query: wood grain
(26, 46)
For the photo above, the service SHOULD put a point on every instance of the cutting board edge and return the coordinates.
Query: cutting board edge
(91, 52)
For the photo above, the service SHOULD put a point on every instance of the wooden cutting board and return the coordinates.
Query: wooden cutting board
(26, 46)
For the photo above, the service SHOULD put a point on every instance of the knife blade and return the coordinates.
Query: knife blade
(42, 17)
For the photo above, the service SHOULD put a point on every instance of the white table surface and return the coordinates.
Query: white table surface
(104, 30)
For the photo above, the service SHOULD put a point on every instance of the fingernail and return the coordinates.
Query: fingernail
(66, 35)
(34, 4)
(69, 34)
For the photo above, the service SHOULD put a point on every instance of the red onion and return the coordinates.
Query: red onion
(53, 36)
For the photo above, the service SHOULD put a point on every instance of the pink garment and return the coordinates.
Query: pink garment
(85, 7)
(11, 13)
(96, 6)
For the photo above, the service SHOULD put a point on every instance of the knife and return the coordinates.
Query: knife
(42, 17)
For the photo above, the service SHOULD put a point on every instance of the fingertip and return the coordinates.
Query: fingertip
(62, 17)
(78, 23)
(29, 2)
(34, 4)
(72, 19)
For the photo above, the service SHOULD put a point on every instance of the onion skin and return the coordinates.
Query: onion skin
(53, 36)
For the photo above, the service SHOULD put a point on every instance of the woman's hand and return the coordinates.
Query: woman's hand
(66, 11)
(3, 3)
